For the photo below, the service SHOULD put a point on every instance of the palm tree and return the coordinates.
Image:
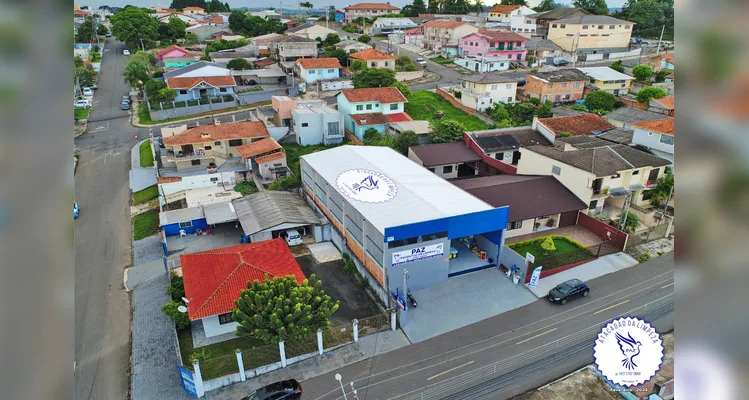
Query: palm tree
(307, 5)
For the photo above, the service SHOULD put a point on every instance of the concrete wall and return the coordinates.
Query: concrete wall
(622, 54)
(573, 36)
(213, 328)
(509, 257)
(449, 97)
(576, 180)
(491, 249)
(336, 85)
(261, 236)
(408, 75)
(158, 115)
(424, 274)
(606, 232)
(526, 228)
(257, 97)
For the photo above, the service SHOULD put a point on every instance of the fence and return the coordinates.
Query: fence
(183, 108)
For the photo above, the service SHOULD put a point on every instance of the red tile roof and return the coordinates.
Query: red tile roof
(272, 156)
(216, 20)
(665, 125)
(312, 63)
(368, 119)
(667, 102)
(168, 179)
(266, 62)
(170, 48)
(398, 117)
(384, 95)
(191, 82)
(501, 36)
(264, 51)
(371, 6)
(670, 58)
(371, 54)
(503, 9)
(193, 8)
(443, 24)
(236, 130)
(577, 125)
(258, 147)
(412, 31)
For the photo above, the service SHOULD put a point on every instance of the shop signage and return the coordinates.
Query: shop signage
(366, 186)
(188, 382)
(418, 254)
(529, 257)
(535, 277)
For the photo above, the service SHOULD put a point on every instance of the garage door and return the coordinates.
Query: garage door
(568, 218)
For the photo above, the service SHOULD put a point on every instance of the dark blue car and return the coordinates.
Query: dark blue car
(568, 290)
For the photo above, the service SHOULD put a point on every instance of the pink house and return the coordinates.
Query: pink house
(493, 43)
(172, 51)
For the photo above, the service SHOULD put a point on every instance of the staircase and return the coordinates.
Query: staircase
(286, 136)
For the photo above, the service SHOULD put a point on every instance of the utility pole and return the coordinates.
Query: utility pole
(658, 49)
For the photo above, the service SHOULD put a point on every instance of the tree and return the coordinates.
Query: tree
(245, 24)
(331, 39)
(137, 73)
(306, 4)
(281, 309)
(167, 95)
(597, 7)
(446, 131)
(418, 7)
(133, 25)
(239, 64)
(374, 77)
(191, 38)
(433, 7)
(631, 223)
(403, 88)
(83, 72)
(662, 189)
(101, 29)
(364, 38)
(547, 5)
(600, 100)
(499, 112)
(404, 140)
(649, 15)
(548, 244)
(172, 30)
(152, 88)
(661, 75)
(358, 65)
(514, 3)
(544, 111)
(617, 66)
(645, 95)
(215, 6)
(642, 72)
(85, 31)
(371, 137)
(337, 52)
(521, 113)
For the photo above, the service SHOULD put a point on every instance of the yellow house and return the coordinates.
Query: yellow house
(590, 34)
(608, 80)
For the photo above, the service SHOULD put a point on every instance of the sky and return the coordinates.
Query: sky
(287, 3)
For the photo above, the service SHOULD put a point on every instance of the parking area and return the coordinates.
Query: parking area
(223, 235)
(340, 285)
(461, 301)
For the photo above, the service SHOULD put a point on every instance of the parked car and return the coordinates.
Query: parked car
(568, 290)
(76, 209)
(292, 237)
(126, 99)
(109, 34)
(82, 104)
(283, 390)
(561, 63)
(126, 52)
(421, 61)
(92, 86)
(87, 92)
(125, 105)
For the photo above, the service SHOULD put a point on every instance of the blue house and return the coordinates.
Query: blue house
(312, 70)
(371, 108)
(189, 219)
(202, 78)
(339, 15)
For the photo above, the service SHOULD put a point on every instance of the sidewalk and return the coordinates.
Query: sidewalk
(586, 272)
(368, 346)
(140, 177)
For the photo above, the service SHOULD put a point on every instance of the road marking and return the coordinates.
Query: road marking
(670, 284)
(102, 127)
(610, 307)
(533, 337)
(449, 370)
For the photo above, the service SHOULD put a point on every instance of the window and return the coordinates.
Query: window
(600, 26)
(636, 172)
(393, 106)
(551, 85)
(333, 128)
(508, 86)
(605, 34)
(577, 84)
(225, 319)
(666, 139)
(222, 90)
(558, 97)
(377, 105)
(369, 106)
(612, 26)
(359, 107)
(186, 224)
(182, 91)
(373, 64)
(570, 35)
(312, 71)
(595, 34)
(554, 25)
(592, 205)
(494, 87)
(448, 169)
(583, 35)
(304, 124)
(518, 44)
(217, 144)
(564, 84)
(566, 96)
(387, 63)
(195, 162)
(562, 26)
(214, 179)
(235, 142)
(431, 169)
(585, 26)
(208, 147)
(616, 176)
(514, 225)
(626, 26)
(556, 170)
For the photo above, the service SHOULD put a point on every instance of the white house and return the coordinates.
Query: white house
(310, 31)
(481, 91)
(658, 136)
(317, 125)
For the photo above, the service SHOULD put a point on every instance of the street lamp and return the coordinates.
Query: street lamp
(338, 378)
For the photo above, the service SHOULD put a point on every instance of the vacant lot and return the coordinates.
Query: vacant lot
(423, 104)
(145, 195)
(146, 224)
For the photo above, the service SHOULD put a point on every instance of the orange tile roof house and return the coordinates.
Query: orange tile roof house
(266, 158)
(374, 58)
(564, 85)
(369, 10)
(208, 146)
(315, 69)
(657, 136)
(663, 105)
(200, 78)
(213, 279)
(375, 104)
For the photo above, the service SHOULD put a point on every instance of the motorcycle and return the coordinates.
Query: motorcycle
(411, 300)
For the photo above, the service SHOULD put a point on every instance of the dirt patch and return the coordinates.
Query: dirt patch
(581, 385)
(355, 302)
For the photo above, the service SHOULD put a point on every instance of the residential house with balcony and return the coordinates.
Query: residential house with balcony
(369, 10)
(481, 91)
(312, 70)
(600, 173)
(352, 46)
(317, 125)
(508, 45)
(208, 147)
(608, 80)
(265, 158)
(440, 32)
(292, 47)
(374, 59)
(202, 78)
(371, 108)
(310, 31)
(515, 18)
(499, 149)
(561, 86)
(657, 136)
(446, 160)
(591, 35)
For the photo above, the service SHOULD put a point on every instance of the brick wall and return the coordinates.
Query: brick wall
(351, 137)
(538, 89)
(449, 97)
(602, 229)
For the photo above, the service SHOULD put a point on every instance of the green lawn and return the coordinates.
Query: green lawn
(146, 224)
(81, 113)
(146, 195)
(423, 104)
(566, 253)
(441, 60)
(146, 156)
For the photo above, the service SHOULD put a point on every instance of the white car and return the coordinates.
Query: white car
(88, 92)
(292, 237)
(421, 61)
(82, 104)
(126, 52)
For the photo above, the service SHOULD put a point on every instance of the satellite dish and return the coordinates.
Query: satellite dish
(182, 309)
(185, 300)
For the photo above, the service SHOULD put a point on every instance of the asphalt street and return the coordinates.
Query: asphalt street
(103, 239)
(514, 352)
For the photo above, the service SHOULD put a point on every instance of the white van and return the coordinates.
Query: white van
(292, 237)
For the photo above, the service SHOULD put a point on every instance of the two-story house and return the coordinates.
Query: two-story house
(600, 173)
(208, 146)
(369, 10)
(485, 42)
(440, 32)
(446, 160)
(481, 91)
(657, 136)
(564, 85)
(502, 13)
(310, 31)
(292, 47)
(591, 34)
(265, 158)
(311, 70)
(608, 80)
(544, 51)
(374, 59)
(371, 108)
(317, 125)
(202, 78)
(193, 11)
(383, 26)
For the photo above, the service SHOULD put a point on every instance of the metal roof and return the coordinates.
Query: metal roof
(604, 74)
(181, 215)
(219, 212)
(632, 115)
(419, 194)
(264, 210)
(444, 153)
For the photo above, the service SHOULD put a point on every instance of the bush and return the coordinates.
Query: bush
(642, 72)
(176, 288)
(287, 182)
(199, 355)
(458, 94)
(410, 67)
(534, 101)
(245, 188)
(565, 134)
(645, 95)
(661, 75)
(617, 66)
(644, 257)
(548, 244)
(600, 100)
(171, 310)
(579, 107)
(404, 89)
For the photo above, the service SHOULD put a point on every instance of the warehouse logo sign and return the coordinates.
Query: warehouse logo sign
(628, 351)
(418, 254)
(366, 186)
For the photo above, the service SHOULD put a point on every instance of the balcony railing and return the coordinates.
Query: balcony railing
(180, 156)
(597, 193)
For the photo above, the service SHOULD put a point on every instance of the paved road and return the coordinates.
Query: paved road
(514, 352)
(447, 75)
(102, 241)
